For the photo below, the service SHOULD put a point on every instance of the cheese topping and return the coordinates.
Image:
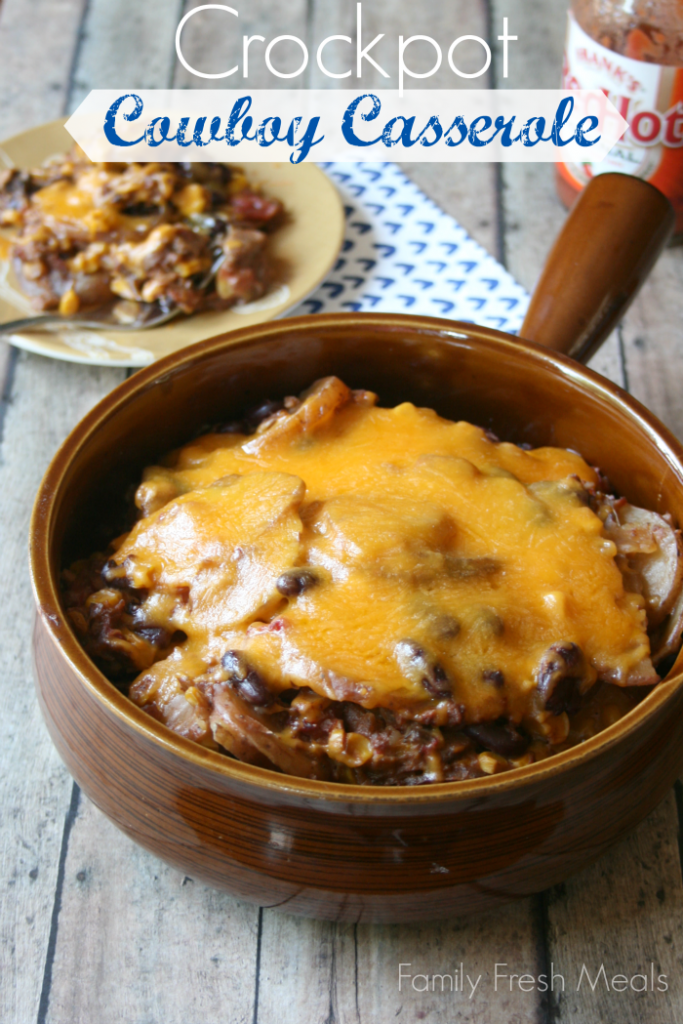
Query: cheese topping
(410, 533)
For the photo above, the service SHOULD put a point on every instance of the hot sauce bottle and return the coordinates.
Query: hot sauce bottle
(633, 51)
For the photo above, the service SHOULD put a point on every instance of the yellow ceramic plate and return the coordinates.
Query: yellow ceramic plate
(306, 247)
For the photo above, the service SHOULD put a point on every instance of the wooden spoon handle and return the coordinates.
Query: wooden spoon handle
(607, 247)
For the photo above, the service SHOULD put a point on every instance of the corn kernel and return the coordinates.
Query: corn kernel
(491, 764)
(192, 199)
(69, 303)
(189, 267)
(123, 287)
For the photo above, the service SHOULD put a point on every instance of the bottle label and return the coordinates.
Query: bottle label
(648, 96)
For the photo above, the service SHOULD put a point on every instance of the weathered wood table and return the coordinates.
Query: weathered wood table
(95, 930)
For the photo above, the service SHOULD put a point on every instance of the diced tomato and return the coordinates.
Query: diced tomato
(250, 206)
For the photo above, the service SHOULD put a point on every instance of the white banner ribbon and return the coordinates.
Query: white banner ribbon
(426, 125)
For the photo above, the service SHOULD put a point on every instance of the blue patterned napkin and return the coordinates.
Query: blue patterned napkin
(403, 254)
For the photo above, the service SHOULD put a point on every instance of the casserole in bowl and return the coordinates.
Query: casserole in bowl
(320, 848)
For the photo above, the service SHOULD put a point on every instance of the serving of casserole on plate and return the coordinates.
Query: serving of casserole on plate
(75, 235)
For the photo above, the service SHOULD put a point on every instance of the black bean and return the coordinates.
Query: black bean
(253, 419)
(246, 681)
(416, 663)
(560, 673)
(436, 681)
(455, 713)
(264, 411)
(235, 664)
(278, 720)
(16, 187)
(115, 575)
(500, 737)
(571, 490)
(155, 635)
(294, 581)
(254, 691)
(495, 677)
(234, 427)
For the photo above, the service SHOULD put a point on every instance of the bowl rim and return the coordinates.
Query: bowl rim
(48, 607)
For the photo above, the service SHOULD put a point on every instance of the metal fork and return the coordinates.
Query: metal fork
(150, 314)
(117, 315)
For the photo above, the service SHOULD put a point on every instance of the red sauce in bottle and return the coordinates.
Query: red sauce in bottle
(633, 51)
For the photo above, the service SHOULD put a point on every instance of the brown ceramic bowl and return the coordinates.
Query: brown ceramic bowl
(373, 853)
(325, 849)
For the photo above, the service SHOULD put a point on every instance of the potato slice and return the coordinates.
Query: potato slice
(163, 692)
(159, 486)
(391, 535)
(249, 737)
(667, 639)
(653, 566)
(320, 403)
(211, 558)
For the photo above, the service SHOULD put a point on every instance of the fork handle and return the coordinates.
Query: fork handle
(34, 323)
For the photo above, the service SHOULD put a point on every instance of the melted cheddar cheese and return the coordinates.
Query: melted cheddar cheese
(410, 533)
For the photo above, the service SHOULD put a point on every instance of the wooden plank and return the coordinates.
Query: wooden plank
(465, 191)
(506, 936)
(126, 45)
(391, 18)
(38, 40)
(212, 42)
(37, 47)
(37, 44)
(307, 972)
(532, 215)
(613, 908)
(6, 360)
(46, 399)
(625, 913)
(653, 341)
(139, 941)
(321, 972)
(129, 940)
(117, 899)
